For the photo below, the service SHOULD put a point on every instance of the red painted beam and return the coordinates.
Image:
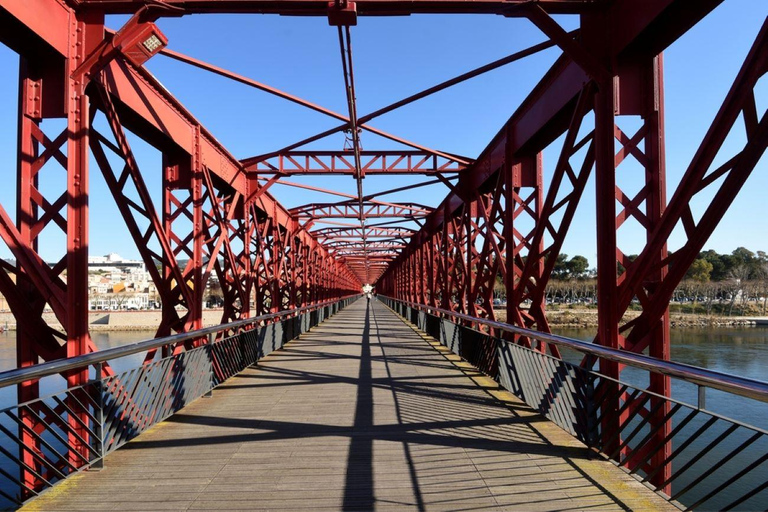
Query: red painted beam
(544, 114)
(47, 19)
(136, 90)
(352, 211)
(144, 105)
(149, 109)
(342, 162)
(364, 7)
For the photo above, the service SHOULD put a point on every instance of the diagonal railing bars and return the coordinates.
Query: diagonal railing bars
(74, 429)
(716, 462)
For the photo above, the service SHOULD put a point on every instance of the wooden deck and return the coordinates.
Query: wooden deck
(361, 413)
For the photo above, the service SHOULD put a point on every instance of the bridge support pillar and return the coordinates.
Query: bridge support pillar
(51, 90)
(631, 192)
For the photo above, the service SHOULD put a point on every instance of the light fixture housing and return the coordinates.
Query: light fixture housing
(143, 44)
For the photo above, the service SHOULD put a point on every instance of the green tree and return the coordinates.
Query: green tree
(560, 271)
(722, 264)
(499, 289)
(577, 266)
(701, 271)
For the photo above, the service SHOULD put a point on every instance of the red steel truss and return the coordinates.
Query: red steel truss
(350, 210)
(362, 7)
(342, 162)
(499, 221)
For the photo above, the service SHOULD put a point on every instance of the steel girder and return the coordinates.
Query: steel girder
(363, 7)
(498, 221)
(342, 162)
(350, 210)
(356, 232)
(32, 284)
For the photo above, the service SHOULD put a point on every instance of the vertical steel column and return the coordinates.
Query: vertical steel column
(195, 320)
(77, 228)
(306, 265)
(86, 32)
(277, 267)
(183, 203)
(648, 78)
(655, 204)
(447, 291)
(607, 269)
(293, 276)
(636, 90)
(526, 173)
(170, 320)
(246, 260)
(538, 249)
(26, 217)
(469, 212)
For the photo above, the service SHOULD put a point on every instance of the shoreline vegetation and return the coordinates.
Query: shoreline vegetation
(718, 290)
(587, 317)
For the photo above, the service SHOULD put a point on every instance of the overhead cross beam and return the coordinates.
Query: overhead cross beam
(295, 99)
(352, 211)
(249, 162)
(328, 233)
(364, 7)
(342, 163)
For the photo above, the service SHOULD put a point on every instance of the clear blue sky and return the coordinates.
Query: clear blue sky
(395, 57)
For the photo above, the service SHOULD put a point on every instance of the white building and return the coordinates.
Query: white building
(114, 262)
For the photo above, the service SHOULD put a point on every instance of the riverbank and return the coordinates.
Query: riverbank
(116, 320)
(587, 317)
(562, 316)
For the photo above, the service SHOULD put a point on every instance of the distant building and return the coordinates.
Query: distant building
(114, 262)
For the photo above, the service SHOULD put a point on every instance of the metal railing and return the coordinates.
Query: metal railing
(48, 439)
(694, 457)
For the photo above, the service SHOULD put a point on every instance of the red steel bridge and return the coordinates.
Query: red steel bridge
(287, 269)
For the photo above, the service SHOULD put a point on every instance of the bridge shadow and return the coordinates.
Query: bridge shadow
(457, 439)
(412, 471)
(359, 484)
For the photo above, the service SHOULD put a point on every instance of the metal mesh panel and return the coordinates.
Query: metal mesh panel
(717, 463)
(137, 399)
(45, 441)
(232, 355)
(558, 390)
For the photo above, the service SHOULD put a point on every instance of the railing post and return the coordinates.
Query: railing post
(702, 398)
(98, 463)
(211, 340)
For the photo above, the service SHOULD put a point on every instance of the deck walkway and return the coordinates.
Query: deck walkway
(360, 413)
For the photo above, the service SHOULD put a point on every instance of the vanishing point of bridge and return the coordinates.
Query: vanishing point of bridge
(422, 398)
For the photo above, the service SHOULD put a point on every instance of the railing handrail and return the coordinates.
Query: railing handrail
(38, 371)
(742, 386)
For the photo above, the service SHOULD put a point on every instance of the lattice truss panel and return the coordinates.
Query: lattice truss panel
(600, 108)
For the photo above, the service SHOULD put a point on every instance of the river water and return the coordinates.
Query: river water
(740, 351)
